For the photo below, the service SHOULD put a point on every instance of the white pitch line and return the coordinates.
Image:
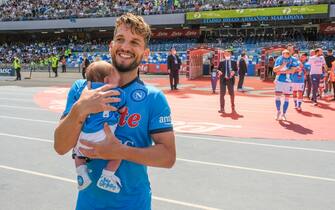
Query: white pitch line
(257, 170)
(38, 174)
(26, 119)
(16, 94)
(23, 107)
(184, 203)
(15, 99)
(28, 138)
(73, 181)
(207, 163)
(201, 138)
(256, 144)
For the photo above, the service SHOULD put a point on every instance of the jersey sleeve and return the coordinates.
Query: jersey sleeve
(278, 62)
(73, 95)
(160, 115)
(295, 63)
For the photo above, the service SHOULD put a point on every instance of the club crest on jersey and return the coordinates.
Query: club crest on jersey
(138, 95)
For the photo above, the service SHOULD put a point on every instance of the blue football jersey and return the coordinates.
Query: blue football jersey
(146, 112)
(291, 62)
(300, 77)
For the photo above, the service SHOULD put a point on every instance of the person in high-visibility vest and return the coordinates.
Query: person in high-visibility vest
(54, 64)
(17, 67)
(68, 52)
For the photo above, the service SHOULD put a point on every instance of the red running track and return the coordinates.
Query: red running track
(194, 110)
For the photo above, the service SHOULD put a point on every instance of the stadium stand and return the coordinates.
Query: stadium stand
(15, 10)
(250, 40)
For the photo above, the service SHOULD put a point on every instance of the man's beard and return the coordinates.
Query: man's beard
(125, 68)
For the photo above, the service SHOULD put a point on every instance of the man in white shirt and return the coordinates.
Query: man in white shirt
(317, 63)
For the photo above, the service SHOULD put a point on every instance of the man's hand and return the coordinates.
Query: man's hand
(97, 100)
(232, 73)
(108, 149)
(169, 71)
(219, 73)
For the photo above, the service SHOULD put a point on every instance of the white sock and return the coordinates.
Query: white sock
(84, 177)
(106, 172)
(82, 169)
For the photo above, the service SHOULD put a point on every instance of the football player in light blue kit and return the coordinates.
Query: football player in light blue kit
(98, 73)
(282, 86)
(298, 80)
(144, 129)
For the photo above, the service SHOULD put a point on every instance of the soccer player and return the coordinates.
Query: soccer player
(146, 120)
(288, 62)
(298, 79)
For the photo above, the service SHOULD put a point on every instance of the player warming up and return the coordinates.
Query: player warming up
(298, 79)
(98, 74)
(282, 86)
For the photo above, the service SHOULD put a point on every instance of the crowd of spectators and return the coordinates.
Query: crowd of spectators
(36, 51)
(15, 10)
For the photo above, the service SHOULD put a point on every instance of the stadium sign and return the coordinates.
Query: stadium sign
(259, 14)
(188, 33)
(327, 28)
(6, 72)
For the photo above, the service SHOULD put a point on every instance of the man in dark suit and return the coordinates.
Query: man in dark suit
(86, 63)
(173, 64)
(242, 70)
(226, 71)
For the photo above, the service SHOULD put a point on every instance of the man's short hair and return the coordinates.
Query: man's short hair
(304, 54)
(137, 24)
(330, 50)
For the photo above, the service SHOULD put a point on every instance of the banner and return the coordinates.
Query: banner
(168, 34)
(332, 11)
(327, 28)
(6, 72)
(258, 14)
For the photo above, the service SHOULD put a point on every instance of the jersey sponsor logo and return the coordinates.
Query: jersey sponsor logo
(131, 120)
(138, 95)
(165, 119)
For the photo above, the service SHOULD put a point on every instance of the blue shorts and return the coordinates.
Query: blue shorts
(86, 202)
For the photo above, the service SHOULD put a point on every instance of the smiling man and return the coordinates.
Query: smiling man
(145, 120)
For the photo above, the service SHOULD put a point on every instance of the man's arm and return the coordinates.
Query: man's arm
(162, 154)
(169, 63)
(278, 68)
(67, 132)
(219, 70)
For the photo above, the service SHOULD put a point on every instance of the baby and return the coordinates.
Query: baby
(285, 55)
(99, 73)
